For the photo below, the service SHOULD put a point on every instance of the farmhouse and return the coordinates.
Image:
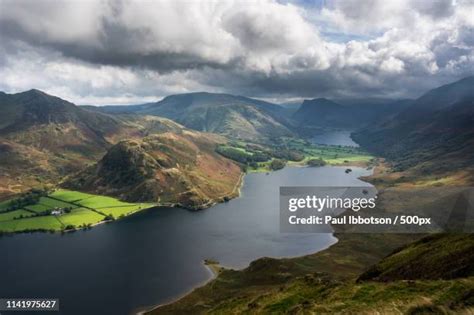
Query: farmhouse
(56, 211)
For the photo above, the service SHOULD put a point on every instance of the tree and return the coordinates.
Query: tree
(277, 164)
(316, 162)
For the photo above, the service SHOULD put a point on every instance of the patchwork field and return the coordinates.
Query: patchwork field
(55, 203)
(63, 210)
(259, 158)
(332, 154)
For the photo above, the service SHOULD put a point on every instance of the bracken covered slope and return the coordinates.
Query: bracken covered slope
(170, 168)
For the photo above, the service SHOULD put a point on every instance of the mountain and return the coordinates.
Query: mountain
(179, 168)
(237, 117)
(322, 113)
(437, 126)
(47, 122)
(43, 138)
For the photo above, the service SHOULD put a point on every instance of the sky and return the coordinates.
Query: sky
(128, 52)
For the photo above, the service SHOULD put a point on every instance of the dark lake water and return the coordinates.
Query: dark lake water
(157, 255)
(336, 137)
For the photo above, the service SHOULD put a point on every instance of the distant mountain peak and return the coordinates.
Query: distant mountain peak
(320, 101)
(34, 92)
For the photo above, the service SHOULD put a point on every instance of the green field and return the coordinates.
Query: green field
(98, 202)
(331, 154)
(80, 216)
(54, 203)
(69, 195)
(38, 208)
(7, 216)
(37, 223)
(78, 210)
(123, 210)
(4, 205)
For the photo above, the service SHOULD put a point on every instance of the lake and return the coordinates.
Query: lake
(157, 255)
(335, 137)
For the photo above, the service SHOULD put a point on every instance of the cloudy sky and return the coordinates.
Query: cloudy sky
(119, 52)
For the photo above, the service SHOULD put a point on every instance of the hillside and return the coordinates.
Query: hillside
(43, 138)
(438, 125)
(235, 116)
(439, 256)
(321, 113)
(324, 113)
(169, 168)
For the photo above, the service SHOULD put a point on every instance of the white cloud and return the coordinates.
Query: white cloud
(132, 50)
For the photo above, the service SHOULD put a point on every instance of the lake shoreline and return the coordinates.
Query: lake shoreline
(214, 275)
(234, 194)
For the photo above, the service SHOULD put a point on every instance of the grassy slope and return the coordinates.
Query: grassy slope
(438, 256)
(318, 283)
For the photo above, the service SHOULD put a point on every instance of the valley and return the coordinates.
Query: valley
(294, 152)
(128, 171)
(90, 165)
(124, 153)
(372, 273)
(269, 157)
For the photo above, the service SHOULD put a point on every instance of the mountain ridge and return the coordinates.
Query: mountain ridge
(429, 128)
(234, 116)
(321, 113)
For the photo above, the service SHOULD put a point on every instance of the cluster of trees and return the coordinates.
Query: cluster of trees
(243, 156)
(254, 154)
(288, 155)
(316, 162)
(29, 198)
(108, 217)
(277, 164)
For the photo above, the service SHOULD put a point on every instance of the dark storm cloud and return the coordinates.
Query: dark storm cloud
(115, 44)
